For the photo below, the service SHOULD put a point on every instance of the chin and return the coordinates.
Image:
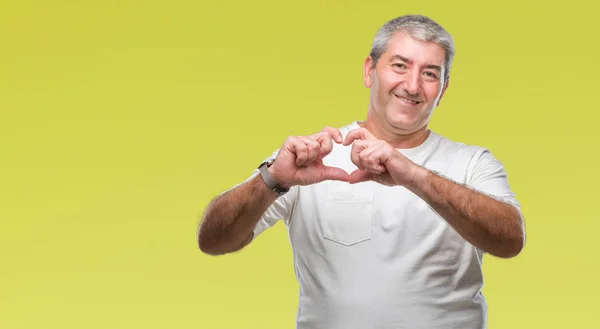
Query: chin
(409, 121)
(404, 123)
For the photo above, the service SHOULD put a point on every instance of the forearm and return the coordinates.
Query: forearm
(228, 221)
(491, 225)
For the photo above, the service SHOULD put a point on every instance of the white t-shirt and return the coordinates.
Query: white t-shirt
(371, 256)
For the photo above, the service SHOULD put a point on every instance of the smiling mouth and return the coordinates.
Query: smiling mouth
(409, 101)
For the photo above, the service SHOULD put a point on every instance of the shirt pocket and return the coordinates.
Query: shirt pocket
(348, 216)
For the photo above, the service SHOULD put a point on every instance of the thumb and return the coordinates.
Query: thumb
(333, 173)
(358, 176)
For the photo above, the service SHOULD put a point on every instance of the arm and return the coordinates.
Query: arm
(231, 220)
(228, 221)
(493, 226)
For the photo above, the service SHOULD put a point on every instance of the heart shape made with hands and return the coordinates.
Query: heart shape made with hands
(300, 161)
(371, 156)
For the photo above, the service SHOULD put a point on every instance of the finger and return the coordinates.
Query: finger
(367, 162)
(299, 148)
(361, 133)
(374, 158)
(326, 144)
(333, 173)
(359, 176)
(335, 134)
(360, 156)
(313, 150)
(357, 148)
(325, 138)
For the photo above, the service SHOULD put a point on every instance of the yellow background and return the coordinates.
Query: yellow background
(120, 120)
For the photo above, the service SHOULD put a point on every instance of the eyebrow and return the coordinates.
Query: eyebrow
(408, 60)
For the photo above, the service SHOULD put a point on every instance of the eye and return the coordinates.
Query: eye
(399, 65)
(431, 75)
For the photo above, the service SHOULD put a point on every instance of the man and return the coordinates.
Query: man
(388, 220)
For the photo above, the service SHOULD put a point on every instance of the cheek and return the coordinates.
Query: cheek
(385, 86)
(388, 81)
(431, 91)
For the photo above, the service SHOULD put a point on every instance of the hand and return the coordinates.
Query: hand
(300, 159)
(377, 160)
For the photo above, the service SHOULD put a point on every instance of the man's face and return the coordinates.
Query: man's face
(406, 84)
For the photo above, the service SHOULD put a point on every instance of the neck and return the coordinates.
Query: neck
(397, 140)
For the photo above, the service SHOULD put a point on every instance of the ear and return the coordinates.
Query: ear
(367, 70)
(443, 91)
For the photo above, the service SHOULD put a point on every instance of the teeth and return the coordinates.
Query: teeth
(407, 100)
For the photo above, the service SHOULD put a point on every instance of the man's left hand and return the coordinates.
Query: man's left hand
(378, 161)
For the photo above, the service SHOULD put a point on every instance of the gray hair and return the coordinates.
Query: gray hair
(419, 27)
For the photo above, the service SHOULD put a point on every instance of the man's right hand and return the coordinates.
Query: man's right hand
(300, 159)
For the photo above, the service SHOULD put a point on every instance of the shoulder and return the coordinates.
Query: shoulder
(457, 149)
(476, 160)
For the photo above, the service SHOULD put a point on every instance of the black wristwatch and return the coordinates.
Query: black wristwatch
(271, 183)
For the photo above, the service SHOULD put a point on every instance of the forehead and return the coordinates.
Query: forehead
(420, 52)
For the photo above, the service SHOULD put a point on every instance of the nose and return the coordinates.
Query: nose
(411, 85)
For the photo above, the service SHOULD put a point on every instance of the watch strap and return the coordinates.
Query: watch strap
(271, 183)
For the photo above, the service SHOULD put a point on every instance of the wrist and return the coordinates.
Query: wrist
(417, 178)
(279, 182)
(269, 177)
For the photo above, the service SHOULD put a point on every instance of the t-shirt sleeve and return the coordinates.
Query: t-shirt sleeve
(280, 209)
(487, 175)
